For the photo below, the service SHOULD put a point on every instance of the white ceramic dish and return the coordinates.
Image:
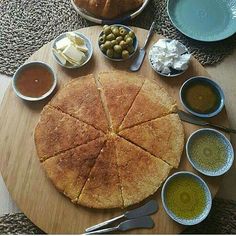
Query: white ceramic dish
(88, 54)
(19, 70)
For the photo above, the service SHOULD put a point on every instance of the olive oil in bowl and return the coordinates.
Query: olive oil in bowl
(210, 152)
(202, 97)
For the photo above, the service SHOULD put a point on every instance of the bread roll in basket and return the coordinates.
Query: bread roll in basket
(108, 9)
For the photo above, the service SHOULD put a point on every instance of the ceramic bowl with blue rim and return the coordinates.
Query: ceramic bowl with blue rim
(210, 152)
(202, 185)
(88, 54)
(134, 44)
(202, 97)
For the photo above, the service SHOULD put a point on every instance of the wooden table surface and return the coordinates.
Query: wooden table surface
(224, 73)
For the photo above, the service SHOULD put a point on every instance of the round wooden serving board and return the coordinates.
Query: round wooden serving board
(25, 178)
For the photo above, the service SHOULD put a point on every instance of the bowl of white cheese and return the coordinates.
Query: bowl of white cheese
(72, 49)
(169, 58)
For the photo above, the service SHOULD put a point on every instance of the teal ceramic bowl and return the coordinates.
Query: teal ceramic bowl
(208, 201)
(204, 20)
(225, 143)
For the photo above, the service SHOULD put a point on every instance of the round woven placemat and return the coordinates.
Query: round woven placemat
(26, 25)
(221, 220)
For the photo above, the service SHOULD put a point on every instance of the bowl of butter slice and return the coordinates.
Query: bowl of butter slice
(72, 49)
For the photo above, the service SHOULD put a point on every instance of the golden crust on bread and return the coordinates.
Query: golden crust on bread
(57, 132)
(151, 102)
(120, 90)
(80, 98)
(102, 189)
(69, 170)
(162, 137)
(141, 173)
(108, 9)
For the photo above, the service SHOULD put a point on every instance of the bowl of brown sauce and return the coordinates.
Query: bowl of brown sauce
(202, 97)
(34, 81)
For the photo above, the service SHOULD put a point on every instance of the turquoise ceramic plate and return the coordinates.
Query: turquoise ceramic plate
(204, 20)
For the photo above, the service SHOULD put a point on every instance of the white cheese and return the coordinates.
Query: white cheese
(169, 54)
(62, 43)
(75, 38)
(59, 56)
(74, 54)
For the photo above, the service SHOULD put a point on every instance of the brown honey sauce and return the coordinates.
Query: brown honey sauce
(34, 81)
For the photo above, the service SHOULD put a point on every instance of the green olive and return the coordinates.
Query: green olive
(108, 45)
(110, 53)
(113, 43)
(116, 55)
(118, 49)
(131, 34)
(105, 26)
(125, 54)
(101, 40)
(126, 36)
(119, 39)
(115, 31)
(107, 30)
(112, 27)
(130, 49)
(123, 44)
(123, 32)
(110, 37)
(129, 41)
(102, 47)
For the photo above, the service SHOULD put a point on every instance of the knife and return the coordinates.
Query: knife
(142, 222)
(147, 209)
(184, 116)
(141, 53)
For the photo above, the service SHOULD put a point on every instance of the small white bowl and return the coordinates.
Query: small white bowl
(21, 68)
(88, 54)
(208, 204)
(225, 141)
(174, 72)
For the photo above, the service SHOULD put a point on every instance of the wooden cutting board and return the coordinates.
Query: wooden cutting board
(25, 179)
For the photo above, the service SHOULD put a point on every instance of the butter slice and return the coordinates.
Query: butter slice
(74, 54)
(59, 56)
(76, 39)
(82, 48)
(62, 43)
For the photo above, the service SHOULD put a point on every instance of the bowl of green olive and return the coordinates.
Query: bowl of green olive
(117, 42)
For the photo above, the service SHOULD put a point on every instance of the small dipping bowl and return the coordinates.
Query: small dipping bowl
(88, 54)
(135, 44)
(34, 78)
(201, 185)
(210, 152)
(202, 97)
(173, 72)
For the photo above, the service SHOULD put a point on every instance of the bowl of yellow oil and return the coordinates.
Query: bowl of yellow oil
(202, 97)
(186, 198)
(210, 152)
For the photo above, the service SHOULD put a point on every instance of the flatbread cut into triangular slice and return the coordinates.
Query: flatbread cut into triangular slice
(69, 170)
(57, 132)
(141, 173)
(162, 137)
(120, 90)
(151, 102)
(81, 99)
(103, 189)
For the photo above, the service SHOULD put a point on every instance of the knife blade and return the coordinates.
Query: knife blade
(142, 51)
(184, 116)
(141, 222)
(147, 209)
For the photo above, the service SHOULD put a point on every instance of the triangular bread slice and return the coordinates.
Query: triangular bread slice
(69, 170)
(120, 90)
(57, 132)
(103, 189)
(141, 174)
(81, 99)
(162, 137)
(151, 102)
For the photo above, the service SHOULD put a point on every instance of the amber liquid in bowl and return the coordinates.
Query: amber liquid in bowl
(34, 81)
